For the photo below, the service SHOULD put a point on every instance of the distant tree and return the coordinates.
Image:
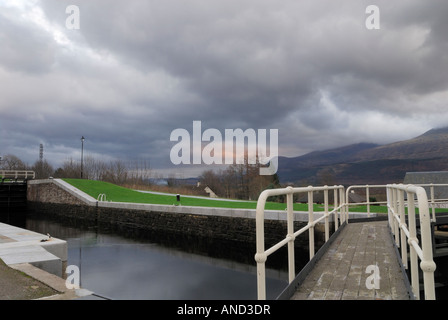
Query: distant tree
(241, 181)
(69, 169)
(43, 169)
(12, 162)
(116, 172)
(213, 181)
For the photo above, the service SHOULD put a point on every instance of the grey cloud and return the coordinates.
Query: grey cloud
(137, 70)
(24, 48)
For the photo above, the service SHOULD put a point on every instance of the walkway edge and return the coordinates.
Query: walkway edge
(51, 281)
(289, 291)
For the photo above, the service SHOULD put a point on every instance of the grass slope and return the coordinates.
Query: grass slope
(120, 194)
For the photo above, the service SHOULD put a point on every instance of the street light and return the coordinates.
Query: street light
(82, 153)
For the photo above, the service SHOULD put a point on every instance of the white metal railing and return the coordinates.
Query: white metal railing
(17, 174)
(367, 203)
(262, 254)
(434, 201)
(403, 230)
(101, 197)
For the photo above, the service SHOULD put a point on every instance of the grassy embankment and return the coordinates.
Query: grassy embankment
(121, 194)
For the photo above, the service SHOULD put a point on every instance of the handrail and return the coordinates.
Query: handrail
(262, 254)
(17, 174)
(101, 197)
(433, 201)
(367, 202)
(402, 230)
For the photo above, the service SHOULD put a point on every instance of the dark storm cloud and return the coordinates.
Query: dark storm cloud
(136, 70)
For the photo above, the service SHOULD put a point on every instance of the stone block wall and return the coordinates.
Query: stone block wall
(47, 198)
(49, 192)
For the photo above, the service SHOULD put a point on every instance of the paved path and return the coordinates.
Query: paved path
(341, 273)
(16, 285)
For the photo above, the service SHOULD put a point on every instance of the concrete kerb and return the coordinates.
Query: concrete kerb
(280, 215)
(52, 281)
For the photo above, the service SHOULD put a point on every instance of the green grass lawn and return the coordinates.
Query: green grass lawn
(120, 194)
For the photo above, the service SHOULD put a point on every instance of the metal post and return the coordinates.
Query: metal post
(311, 222)
(404, 249)
(82, 154)
(368, 200)
(341, 199)
(396, 228)
(336, 218)
(327, 226)
(290, 218)
(433, 206)
(413, 253)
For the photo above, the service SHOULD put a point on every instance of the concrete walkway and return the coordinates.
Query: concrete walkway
(32, 266)
(341, 273)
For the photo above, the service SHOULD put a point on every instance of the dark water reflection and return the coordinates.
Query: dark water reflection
(132, 267)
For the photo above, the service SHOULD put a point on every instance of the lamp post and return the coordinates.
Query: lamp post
(82, 153)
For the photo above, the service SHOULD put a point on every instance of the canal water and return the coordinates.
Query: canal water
(128, 265)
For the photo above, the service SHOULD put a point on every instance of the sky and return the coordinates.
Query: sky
(134, 71)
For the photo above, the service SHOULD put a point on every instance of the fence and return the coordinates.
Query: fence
(17, 175)
(368, 202)
(262, 254)
(403, 226)
(434, 200)
(403, 230)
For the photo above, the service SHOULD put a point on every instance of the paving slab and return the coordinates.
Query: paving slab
(19, 245)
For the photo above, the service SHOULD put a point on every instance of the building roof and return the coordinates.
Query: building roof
(318, 197)
(428, 177)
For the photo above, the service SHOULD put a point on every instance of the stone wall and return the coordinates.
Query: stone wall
(49, 192)
(49, 199)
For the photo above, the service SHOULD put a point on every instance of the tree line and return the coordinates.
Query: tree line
(115, 171)
(237, 181)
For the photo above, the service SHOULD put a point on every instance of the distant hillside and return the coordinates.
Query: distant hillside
(432, 144)
(366, 163)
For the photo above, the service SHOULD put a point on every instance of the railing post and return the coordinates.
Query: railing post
(260, 256)
(327, 227)
(311, 222)
(342, 201)
(368, 200)
(396, 228)
(336, 217)
(433, 207)
(413, 253)
(290, 218)
(388, 204)
(401, 212)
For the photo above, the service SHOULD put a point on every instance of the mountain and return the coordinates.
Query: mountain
(431, 144)
(366, 163)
